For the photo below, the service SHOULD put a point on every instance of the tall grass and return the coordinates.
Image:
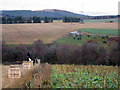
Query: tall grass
(19, 82)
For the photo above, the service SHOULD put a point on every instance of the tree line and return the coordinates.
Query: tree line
(20, 19)
(87, 54)
(72, 19)
(34, 19)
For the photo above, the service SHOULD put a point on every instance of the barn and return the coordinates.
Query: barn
(75, 33)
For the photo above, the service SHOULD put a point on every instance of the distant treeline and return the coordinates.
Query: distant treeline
(20, 19)
(86, 54)
(72, 19)
(102, 17)
(35, 19)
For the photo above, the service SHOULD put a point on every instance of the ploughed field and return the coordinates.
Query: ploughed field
(48, 32)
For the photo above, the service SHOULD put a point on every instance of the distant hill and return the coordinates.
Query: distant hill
(40, 13)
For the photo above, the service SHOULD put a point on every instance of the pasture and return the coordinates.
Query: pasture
(102, 20)
(48, 32)
(71, 40)
(113, 32)
(98, 38)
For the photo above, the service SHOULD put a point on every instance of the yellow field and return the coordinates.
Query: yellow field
(48, 32)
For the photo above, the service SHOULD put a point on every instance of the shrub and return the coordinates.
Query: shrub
(50, 55)
(114, 54)
(65, 54)
(38, 49)
(89, 53)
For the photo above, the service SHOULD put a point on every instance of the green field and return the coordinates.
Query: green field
(71, 40)
(101, 31)
(73, 76)
(102, 20)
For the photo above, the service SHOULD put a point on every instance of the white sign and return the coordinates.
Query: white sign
(27, 64)
(38, 60)
(14, 73)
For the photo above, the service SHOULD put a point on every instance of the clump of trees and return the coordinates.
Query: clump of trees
(72, 19)
(89, 53)
(36, 20)
(47, 20)
(20, 19)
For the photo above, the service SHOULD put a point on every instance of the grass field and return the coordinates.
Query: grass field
(71, 40)
(48, 32)
(102, 20)
(73, 76)
(101, 31)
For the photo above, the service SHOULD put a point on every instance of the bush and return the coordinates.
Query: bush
(13, 53)
(50, 55)
(89, 53)
(38, 50)
(114, 55)
(65, 54)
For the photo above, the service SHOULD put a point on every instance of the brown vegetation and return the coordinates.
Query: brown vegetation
(88, 53)
(43, 78)
(17, 82)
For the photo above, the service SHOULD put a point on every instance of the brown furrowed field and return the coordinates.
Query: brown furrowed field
(48, 32)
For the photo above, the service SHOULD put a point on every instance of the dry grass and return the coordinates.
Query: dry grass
(91, 68)
(18, 82)
(48, 32)
(43, 78)
(0, 76)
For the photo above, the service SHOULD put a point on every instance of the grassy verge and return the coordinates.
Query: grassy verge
(18, 44)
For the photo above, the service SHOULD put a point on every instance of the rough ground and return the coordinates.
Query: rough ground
(38, 76)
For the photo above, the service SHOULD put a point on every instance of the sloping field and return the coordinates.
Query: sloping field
(28, 33)
(102, 31)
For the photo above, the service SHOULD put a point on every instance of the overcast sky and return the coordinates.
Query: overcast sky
(88, 7)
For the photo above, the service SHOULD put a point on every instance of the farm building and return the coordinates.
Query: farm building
(75, 33)
(78, 33)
